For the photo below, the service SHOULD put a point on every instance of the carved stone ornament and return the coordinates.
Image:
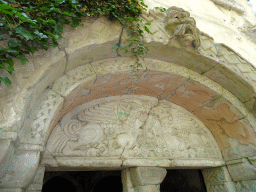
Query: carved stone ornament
(132, 127)
(179, 23)
(174, 27)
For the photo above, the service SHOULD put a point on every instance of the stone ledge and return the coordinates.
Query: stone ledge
(31, 147)
(8, 135)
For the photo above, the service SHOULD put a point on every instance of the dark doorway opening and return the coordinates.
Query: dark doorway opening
(92, 181)
(82, 181)
(180, 180)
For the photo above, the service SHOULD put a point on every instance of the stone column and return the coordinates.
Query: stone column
(37, 184)
(218, 179)
(143, 179)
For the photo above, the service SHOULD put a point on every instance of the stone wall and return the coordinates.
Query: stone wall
(209, 71)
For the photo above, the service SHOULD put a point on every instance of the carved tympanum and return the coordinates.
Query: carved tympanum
(139, 127)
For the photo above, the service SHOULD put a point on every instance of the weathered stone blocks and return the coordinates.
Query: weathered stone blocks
(241, 170)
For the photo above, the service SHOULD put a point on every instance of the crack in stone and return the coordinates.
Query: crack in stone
(202, 73)
(170, 93)
(66, 56)
(57, 94)
(249, 161)
(144, 123)
(120, 41)
(210, 102)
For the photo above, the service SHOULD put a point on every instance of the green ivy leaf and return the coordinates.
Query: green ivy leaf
(23, 17)
(58, 36)
(75, 22)
(115, 47)
(6, 81)
(10, 69)
(12, 43)
(121, 113)
(51, 21)
(58, 28)
(41, 35)
(24, 33)
(23, 60)
(147, 30)
(8, 12)
(45, 9)
(66, 13)
(56, 10)
(13, 51)
(128, 18)
(126, 114)
(2, 49)
(9, 61)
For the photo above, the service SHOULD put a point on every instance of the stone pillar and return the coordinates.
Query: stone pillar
(37, 184)
(218, 179)
(143, 179)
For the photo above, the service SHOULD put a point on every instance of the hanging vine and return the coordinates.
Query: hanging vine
(28, 25)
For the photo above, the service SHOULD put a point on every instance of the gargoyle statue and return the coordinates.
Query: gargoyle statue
(182, 27)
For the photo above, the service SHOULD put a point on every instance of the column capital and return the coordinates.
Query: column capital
(143, 179)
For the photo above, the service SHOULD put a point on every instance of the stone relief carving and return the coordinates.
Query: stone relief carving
(133, 128)
(34, 127)
(175, 27)
(179, 23)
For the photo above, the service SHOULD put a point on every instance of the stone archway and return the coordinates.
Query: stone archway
(210, 82)
(122, 132)
(128, 131)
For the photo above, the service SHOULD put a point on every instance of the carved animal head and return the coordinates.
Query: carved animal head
(179, 23)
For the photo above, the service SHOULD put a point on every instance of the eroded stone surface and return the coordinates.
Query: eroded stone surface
(132, 128)
(241, 170)
(35, 128)
(93, 41)
(209, 106)
(142, 176)
(37, 183)
(244, 186)
(21, 170)
(126, 181)
(218, 179)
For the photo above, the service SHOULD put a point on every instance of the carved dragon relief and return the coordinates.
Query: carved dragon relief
(151, 130)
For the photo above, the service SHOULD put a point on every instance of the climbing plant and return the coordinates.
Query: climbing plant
(27, 25)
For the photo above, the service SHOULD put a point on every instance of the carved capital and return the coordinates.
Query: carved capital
(147, 179)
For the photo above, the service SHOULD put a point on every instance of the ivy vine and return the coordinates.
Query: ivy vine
(28, 25)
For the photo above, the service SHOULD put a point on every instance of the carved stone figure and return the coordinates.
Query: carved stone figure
(181, 26)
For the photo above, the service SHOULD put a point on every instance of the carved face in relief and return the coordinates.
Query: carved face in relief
(179, 23)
